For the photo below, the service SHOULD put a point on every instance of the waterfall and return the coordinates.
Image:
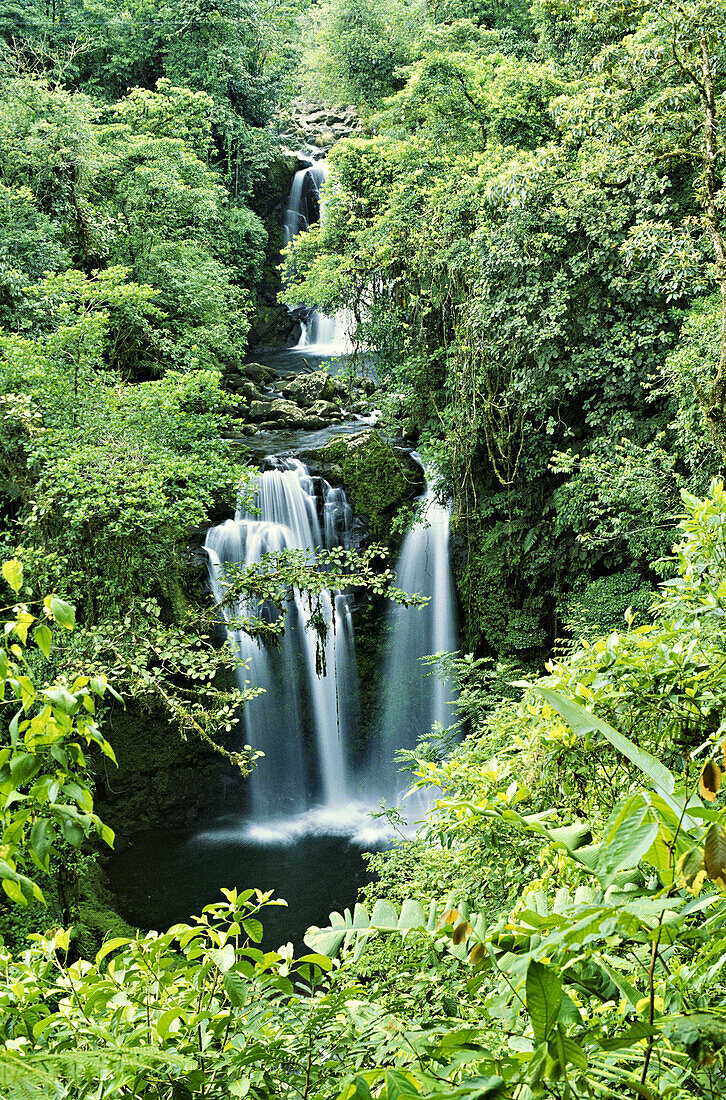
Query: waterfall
(305, 721)
(321, 334)
(302, 720)
(415, 696)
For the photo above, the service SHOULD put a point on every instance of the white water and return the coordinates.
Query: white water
(307, 782)
(414, 694)
(321, 334)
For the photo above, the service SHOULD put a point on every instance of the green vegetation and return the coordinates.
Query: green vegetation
(530, 235)
(528, 230)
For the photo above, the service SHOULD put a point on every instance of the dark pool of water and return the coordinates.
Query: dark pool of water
(295, 360)
(165, 875)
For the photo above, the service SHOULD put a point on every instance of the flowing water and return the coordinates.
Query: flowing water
(321, 334)
(312, 794)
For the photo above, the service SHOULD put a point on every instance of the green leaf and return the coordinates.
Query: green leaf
(581, 722)
(543, 995)
(322, 961)
(23, 768)
(362, 1089)
(637, 1031)
(223, 958)
(629, 833)
(236, 988)
(43, 637)
(253, 928)
(62, 699)
(398, 1085)
(111, 945)
(63, 613)
(13, 573)
(73, 831)
(41, 838)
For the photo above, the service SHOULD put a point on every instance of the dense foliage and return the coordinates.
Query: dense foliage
(531, 236)
(574, 943)
(528, 232)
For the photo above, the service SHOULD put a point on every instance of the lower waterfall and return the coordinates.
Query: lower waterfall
(414, 695)
(304, 721)
(301, 722)
(306, 819)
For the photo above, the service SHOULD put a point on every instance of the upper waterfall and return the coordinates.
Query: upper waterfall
(321, 334)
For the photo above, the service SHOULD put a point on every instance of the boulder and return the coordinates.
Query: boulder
(257, 372)
(327, 410)
(378, 476)
(291, 415)
(259, 410)
(306, 389)
(250, 391)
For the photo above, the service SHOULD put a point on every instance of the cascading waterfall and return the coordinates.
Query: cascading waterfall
(304, 721)
(321, 334)
(416, 696)
(298, 705)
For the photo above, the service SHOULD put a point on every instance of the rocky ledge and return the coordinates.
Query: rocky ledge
(269, 402)
(318, 125)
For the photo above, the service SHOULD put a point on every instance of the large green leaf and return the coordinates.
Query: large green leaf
(581, 721)
(543, 989)
(628, 835)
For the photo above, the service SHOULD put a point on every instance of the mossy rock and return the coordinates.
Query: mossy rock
(378, 477)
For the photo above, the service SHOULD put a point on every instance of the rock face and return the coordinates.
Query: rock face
(318, 125)
(160, 778)
(378, 476)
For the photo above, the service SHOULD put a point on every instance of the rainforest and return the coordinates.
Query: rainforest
(363, 549)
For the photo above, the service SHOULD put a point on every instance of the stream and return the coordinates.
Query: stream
(308, 819)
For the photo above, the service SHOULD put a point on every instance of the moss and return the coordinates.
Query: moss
(96, 919)
(378, 477)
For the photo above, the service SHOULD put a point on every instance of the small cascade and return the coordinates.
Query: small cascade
(321, 334)
(415, 696)
(301, 722)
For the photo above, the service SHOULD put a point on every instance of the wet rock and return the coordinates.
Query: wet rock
(257, 372)
(319, 125)
(259, 410)
(327, 410)
(291, 415)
